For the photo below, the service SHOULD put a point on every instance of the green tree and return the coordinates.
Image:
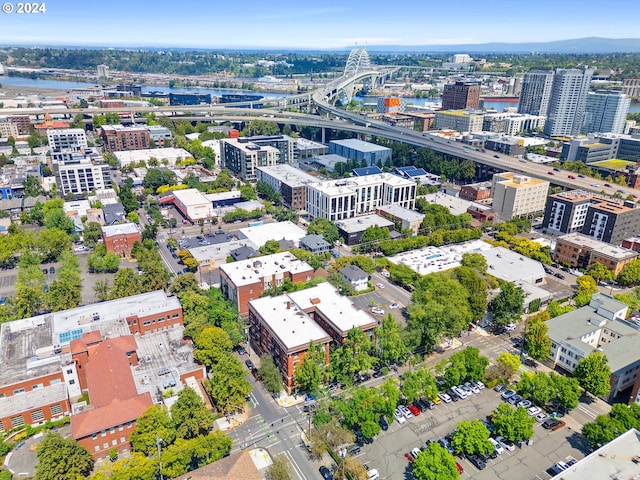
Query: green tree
(475, 261)
(586, 287)
(269, 374)
(371, 236)
(599, 272)
(92, 233)
(212, 345)
(101, 289)
(227, 386)
(435, 463)
(420, 383)
(536, 337)
(632, 299)
(125, 284)
(270, 247)
(352, 357)
(134, 467)
(513, 424)
(309, 373)
(507, 364)
(471, 437)
(555, 309)
(507, 305)
(153, 423)
(620, 419)
(62, 459)
(594, 374)
(390, 345)
(247, 192)
(567, 391)
(268, 193)
(190, 415)
(282, 214)
(630, 274)
(52, 243)
(32, 187)
(326, 228)
(155, 178)
(56, 218)
(280, 469)
(476, 290)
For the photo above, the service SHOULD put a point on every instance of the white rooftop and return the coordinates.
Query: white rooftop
(437, 259)
(360, 145)
(218, 252)
(120, 229)
(358, 224)
(170, 154)
(401, 212)
(456, 205)
(289, 323)
(253, 270)
(273, 231)
(191, 197)
(598, 246)
(511, 266)
(334, 308)
(288, 174)
(345, 185)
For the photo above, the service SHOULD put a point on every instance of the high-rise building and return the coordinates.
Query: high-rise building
(65, 143)
(567, 102)
(243, 158)
(461, 95)
(631, 87)
(81, 174)
(535, 93)
(103, 71)
(605, 112)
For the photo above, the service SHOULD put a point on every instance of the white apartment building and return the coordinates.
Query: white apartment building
(347, 198)
(459, 120)
(517, 195)
(81, 176)
(8, 129)
(567, 102)
(511, 123)
(64, 143)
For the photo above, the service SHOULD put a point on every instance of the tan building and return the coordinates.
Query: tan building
(460, 120)
(517, 195)
(582, 251)
(403, 217)
(8, 129)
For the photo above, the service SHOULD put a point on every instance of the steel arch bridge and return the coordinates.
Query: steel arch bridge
(358, 68)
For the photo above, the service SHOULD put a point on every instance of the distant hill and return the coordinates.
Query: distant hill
(577, 45)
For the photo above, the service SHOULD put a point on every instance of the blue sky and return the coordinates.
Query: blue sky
(318, 24)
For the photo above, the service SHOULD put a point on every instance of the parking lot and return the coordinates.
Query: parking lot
(387, 452)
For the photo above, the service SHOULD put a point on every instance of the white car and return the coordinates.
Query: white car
(533, 411)
(479, 384)
(511, 327)
(393, 306)
(385, 274)
(444, 397)
(405, 411)
(373, 474)
(460, 392)
(415, 452)
(399, 416)
(377, 310)
(508, 445)
(496, 445)
(541, 417)
(379, 285)
(474, 388)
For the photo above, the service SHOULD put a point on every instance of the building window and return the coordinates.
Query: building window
(36, 386)
(94, 436)
(120, 428)
(17, 421)
(122, 440)
(105, 445)
(96, 448)
(37, 416)
(56, 410)
(112, 430)
(114, 442)
(103, 433)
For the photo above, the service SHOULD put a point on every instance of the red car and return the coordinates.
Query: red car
(607, 185)
(460, 469)
(549, 173)
(415, 410)
(409, 457)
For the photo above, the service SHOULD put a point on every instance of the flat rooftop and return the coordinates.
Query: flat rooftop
(618, 459)
(288, 175)
(21, 341)
(511, 266)
(191, 197)
(359, 224)
(438, 259)
(273, 231)
(456, 205)
(401, 212)
(218, 252)
(334, 308)
(586, 241)
(360, 145)
(348, 185)
(169, 153)
(517, 180)
(120, 229)
(289, 322)
(574, 195)
(247, 272)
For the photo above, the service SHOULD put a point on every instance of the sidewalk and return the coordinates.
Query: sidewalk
(285, 400)
(231, 421)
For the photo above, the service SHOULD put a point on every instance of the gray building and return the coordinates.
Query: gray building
(535, 93)
(357, 278)
(315, 244)
(567, 102)
(605, 112)
(358, 150)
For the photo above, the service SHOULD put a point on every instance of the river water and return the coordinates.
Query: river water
(64, 85)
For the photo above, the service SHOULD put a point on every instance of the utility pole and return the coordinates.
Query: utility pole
(159, 445)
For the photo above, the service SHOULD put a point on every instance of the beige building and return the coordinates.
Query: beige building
(517, 195)
(243, 158)
(460, 120)
(8, 129)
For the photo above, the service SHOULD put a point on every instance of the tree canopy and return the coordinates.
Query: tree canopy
(435, 463)
(594, 374)
(506, 307)
(62, 459)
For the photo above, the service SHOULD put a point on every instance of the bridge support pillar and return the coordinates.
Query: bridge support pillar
(323, 132)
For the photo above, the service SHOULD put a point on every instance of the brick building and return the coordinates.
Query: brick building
(120, 238)
(581, 251)
(244, 281)
(40, 378)
(118, 137)
(461, 95)
(476, 191)
(284, 326)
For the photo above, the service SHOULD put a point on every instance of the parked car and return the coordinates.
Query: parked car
(473, 387)
(326, 474)
(399, 416)
(499, 387)
(405, 411)
(460, 469)
(496, 445)
(52, 270)
(478, 384)
(385, 274)
(377, 311)
(476, 461)
(415, 452)
(459, 392)
(514, 399)
(506, 443)
(524, 404)
(507, 394)
(249, 364)
(393, 306)
(373, 474)
(534, 410)
(384, 425)
(559, 275)
(553, 424)
(414, 410)
(541, 417)
(444, 397)
(380, 286)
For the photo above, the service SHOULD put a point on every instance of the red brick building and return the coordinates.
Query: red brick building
(244, 281)
(117, 138)
(120, 238)
(476, 191)
(23, 122)
(284, 326)
(461, 95)
(632, 243)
